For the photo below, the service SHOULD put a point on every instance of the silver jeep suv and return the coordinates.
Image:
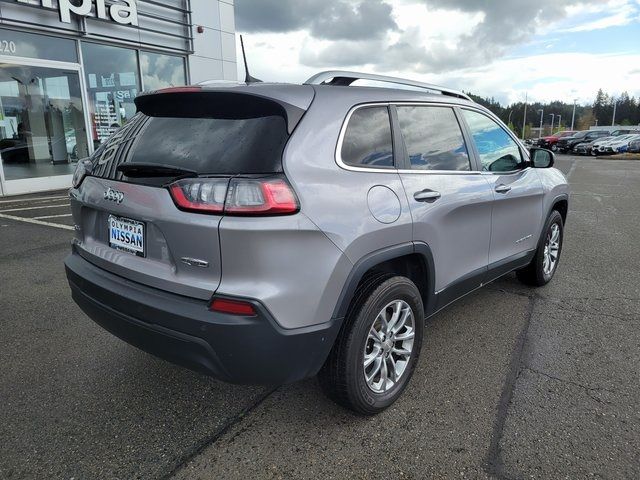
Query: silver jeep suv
(265, 233)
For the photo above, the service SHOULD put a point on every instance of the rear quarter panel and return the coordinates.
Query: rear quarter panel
(334, 198)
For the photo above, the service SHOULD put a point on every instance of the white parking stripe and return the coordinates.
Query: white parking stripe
(37, 222)
(33, 208)
(26, 200)
(52, 216)
(572, 169)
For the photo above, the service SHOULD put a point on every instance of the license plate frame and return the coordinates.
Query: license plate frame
(127, 225)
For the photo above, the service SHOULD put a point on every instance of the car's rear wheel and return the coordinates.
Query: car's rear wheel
(545, 262)
(378, 347)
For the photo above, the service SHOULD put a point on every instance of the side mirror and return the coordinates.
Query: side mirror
(542, 158)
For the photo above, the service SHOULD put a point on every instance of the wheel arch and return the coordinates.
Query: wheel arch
(561, 204)
(413, 260)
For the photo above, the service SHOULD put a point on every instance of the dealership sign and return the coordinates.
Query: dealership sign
(123, 11)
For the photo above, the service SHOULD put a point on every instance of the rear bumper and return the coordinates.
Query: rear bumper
(182, 330)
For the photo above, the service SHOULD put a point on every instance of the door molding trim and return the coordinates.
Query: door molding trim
(479, 278)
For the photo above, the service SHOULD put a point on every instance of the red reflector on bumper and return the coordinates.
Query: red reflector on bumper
(232, 307)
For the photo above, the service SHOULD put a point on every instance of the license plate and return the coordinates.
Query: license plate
(127, 235)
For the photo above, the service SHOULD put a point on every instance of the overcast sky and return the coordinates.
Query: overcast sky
(552, 49)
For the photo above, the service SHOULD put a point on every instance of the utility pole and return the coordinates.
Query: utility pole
(524, 120)
(541, 120)
(573, 118)
(615, 105)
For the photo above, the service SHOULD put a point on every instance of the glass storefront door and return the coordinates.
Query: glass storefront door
(42, 124)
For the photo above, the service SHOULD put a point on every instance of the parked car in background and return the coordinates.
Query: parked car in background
(551, 142)
(610, 146)
(585, 148)
(601, 142)
(566, 144)
(623, 145)
(634, 146)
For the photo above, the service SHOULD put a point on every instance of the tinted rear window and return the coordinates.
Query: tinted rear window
(367, 140)
(214, 146)
(210, 133)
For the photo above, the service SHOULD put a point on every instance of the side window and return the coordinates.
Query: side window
(367, 141)
(433, 138)
(498, 151)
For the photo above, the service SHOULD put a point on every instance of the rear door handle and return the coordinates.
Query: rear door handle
(426, 196)
(503, 189)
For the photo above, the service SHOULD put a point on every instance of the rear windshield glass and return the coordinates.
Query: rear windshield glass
(209, 133)
(214, 146)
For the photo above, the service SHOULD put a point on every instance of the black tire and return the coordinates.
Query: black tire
(533, 274)
(343, 375)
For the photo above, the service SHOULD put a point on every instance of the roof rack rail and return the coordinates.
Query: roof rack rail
(345, 78)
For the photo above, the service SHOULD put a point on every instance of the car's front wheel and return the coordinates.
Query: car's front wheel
(378, 347)
(545, 262)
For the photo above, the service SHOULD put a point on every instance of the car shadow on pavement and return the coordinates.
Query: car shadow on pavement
(443, 425)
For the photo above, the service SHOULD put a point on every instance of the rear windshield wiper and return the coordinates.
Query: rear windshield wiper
(152, 170)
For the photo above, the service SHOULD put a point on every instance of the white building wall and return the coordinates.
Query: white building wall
(215, 49)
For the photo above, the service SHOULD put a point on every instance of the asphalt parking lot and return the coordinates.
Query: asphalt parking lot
(512, 382)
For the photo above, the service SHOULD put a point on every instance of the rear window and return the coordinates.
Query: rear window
(213, 145)
(367, 141)
(210, 133)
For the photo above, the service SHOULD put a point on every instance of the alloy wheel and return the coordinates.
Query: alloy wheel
(389, 346)
(551, 250)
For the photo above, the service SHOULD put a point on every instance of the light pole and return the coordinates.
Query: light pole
(509, 121)
(573, 118)
(541, 120)
(615, 105)
(524, 120)
(553, 119)
(559, 122)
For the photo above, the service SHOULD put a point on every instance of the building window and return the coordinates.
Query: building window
(112, 84)
(30, 45)
(42, 124)
(161, 71)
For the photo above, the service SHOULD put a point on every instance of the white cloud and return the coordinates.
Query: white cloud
(429, 40)
(626, 13)
(548, 77)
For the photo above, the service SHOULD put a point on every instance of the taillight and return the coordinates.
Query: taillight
(238, 196)
(205, 195)
(232, 307)
(260, 197)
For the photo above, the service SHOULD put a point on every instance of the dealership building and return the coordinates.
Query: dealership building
(70, 70)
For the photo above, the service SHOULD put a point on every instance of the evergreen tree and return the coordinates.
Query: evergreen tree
(600, 113)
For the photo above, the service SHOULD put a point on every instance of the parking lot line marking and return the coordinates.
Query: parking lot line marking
(25, 200)
(33, 208)
(37, 222)
(52, 216)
